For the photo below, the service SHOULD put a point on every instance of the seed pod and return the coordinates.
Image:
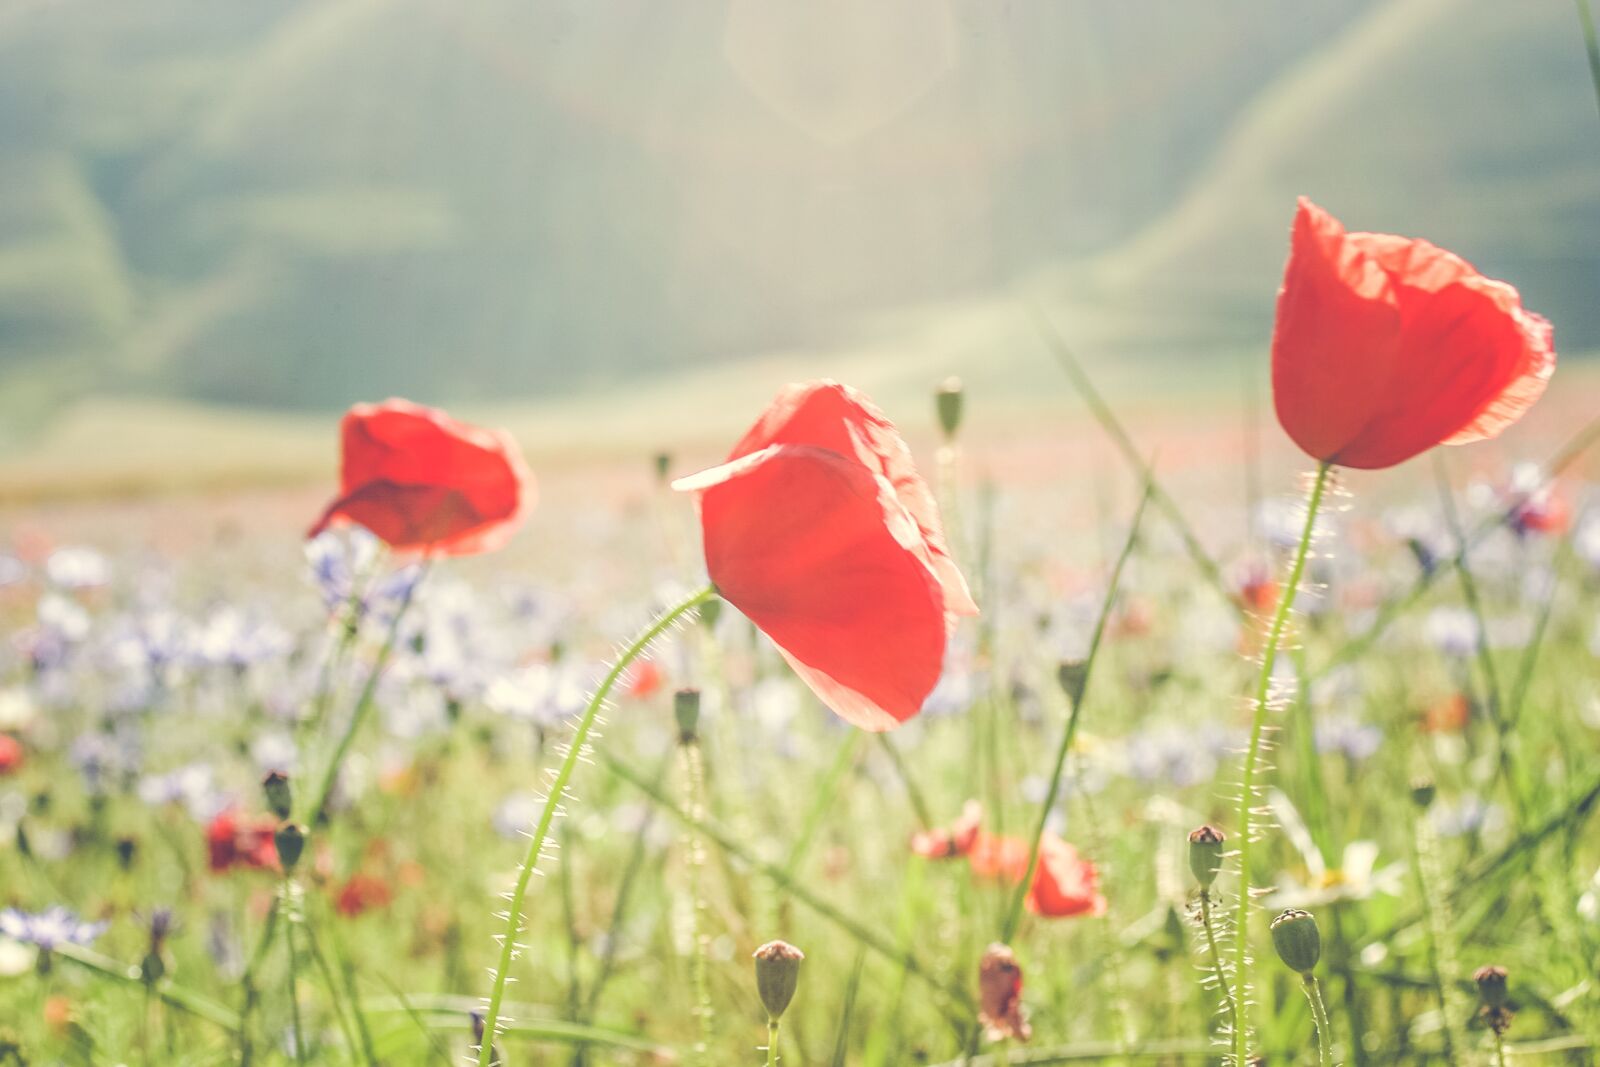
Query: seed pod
(1491, 985)
(280, 799)
(1205, 854)
(290, 840)
(1297, 939)
(1072, 675)
(686, 709)
(1422, 792)
(948, 399)
(777, 974)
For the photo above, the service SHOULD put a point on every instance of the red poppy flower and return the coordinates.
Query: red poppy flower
(423, 482)
(1064, 883)
(231, 844)
(821, 532)
(644, 679)
(958, 840)
(362, 893)
(10, 754)
(1386, 346)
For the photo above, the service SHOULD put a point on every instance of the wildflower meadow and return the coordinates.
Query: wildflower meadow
(842, 744)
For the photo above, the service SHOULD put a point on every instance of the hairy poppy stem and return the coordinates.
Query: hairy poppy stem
(1319, 1016)
(1209, 925)
(558, 788)
(1014, 913)
(1269, 656)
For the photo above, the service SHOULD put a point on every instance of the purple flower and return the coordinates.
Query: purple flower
(48, 929)
(1350, 737)
(1452, 631)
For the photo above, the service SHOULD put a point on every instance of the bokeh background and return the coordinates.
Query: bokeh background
(611, 225)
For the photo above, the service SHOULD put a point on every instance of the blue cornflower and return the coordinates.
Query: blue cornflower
(48, 929)
(1349, 736)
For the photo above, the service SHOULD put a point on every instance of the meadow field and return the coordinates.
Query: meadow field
(169, 645)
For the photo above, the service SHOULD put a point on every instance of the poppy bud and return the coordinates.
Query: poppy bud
(1299, 943)
(1422, 792)
(1000, 1010)
(777, 974)
(1072, 674)
(280, 799)
(1205, 854)
(663, 466)
(290, 840)
(948, 400)
(686, 709)
(126, 848)
(1491, 985)
(710, 612)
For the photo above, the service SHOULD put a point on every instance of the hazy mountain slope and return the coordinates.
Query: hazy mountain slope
(1470, 122)
(304, 201)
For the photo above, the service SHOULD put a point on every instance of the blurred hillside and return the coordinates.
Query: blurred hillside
(298, 203)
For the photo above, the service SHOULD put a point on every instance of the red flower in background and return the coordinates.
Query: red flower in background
(819, 529)
(1064, 883)
(958, 840)
(1386, 346)
(11, 756)
(420, 481)
(230, 843)
(363, 893)
(644, 679)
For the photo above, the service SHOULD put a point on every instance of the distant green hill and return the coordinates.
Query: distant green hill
(298, 203)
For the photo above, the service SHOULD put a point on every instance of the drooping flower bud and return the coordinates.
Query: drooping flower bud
(290, 841)
(777, 974)
(686, 709)
(1072, 675)
(1205, 854)
(1000, 1010)
(1496, 1010)
(280, 799)
(948, 399)
(1297, 939)
(1423, 791)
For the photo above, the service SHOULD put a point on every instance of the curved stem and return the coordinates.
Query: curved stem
(558, 786)
(1319, 1015)
(1269, 656)
(1014, 911)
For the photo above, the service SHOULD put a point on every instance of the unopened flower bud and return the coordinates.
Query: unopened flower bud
(1297, 939)
(710, 612)
(1072, 675)
(290, 840)
(948, 400)
(280, 799)
(686, 709)
(1205, 854)
(777, 974)
(1491, 986)
(1423, 791)
(663, 466)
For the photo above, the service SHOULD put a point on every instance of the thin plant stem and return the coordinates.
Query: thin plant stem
(726, 841)
(1114, 429)
(247, 981)
(772, 1042)
(1247, 785)
(1486, 663)
(351, 994)
(552, 804)
(1356, 647)
(1441, 934)
(364, 703)
(294, 978)
(1319, 1015)
(919, 803)
(337, 1000)
(695, 858)
(174, 996)
(1591, 42)
(1208, 923)
(1013, 914)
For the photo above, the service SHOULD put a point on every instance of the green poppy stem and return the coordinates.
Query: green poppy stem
(558, 788)
(1269, 656)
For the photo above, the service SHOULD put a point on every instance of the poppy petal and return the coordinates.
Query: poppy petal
(816, 550)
